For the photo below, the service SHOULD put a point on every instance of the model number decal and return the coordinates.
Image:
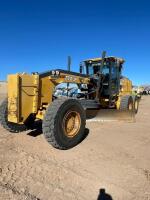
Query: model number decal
(71, 78)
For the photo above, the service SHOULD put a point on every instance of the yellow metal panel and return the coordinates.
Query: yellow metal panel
(67, 78)
(29, 95)
(13, 98)
(47, 89)
(126, 86)
(36, 94)
(23, 91)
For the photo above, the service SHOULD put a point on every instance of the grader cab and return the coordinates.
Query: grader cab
(31, 97)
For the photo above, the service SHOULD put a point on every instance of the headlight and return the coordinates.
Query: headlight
(53, 72)
(57, 72)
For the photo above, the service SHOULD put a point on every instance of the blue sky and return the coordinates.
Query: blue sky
(37, 35)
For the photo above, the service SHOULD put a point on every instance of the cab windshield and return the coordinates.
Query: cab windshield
(93, 69)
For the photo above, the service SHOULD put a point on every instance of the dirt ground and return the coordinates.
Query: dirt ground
(113, 162)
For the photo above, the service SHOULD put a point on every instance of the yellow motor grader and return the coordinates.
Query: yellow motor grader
(31, 97)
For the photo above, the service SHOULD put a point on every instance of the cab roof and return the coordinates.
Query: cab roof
(110, 58)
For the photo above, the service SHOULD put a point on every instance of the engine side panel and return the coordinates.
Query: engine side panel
(22, 96)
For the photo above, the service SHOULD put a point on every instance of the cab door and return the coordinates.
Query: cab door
(114, 79)
(111, 80)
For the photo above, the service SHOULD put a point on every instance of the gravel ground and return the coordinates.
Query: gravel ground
(113, 161)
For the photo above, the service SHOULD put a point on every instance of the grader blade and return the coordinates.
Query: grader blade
(109, 115)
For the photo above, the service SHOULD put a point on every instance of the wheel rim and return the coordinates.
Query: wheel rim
(130, 106)
(136, 105)
(71, 123)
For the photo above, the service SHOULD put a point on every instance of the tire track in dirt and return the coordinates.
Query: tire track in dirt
(30, 168)
(27, 171)
(42, 179)
(11, 193)
(45, 175)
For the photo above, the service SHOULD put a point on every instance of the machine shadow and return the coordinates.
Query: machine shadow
(37, 130)
(86, 133)
(103, 195)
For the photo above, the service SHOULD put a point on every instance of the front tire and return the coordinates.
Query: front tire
(64, 123)
(11, 127)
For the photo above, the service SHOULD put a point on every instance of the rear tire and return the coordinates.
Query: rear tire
(136, 104)
(57, 114)
(11, 127)
(126, 103)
